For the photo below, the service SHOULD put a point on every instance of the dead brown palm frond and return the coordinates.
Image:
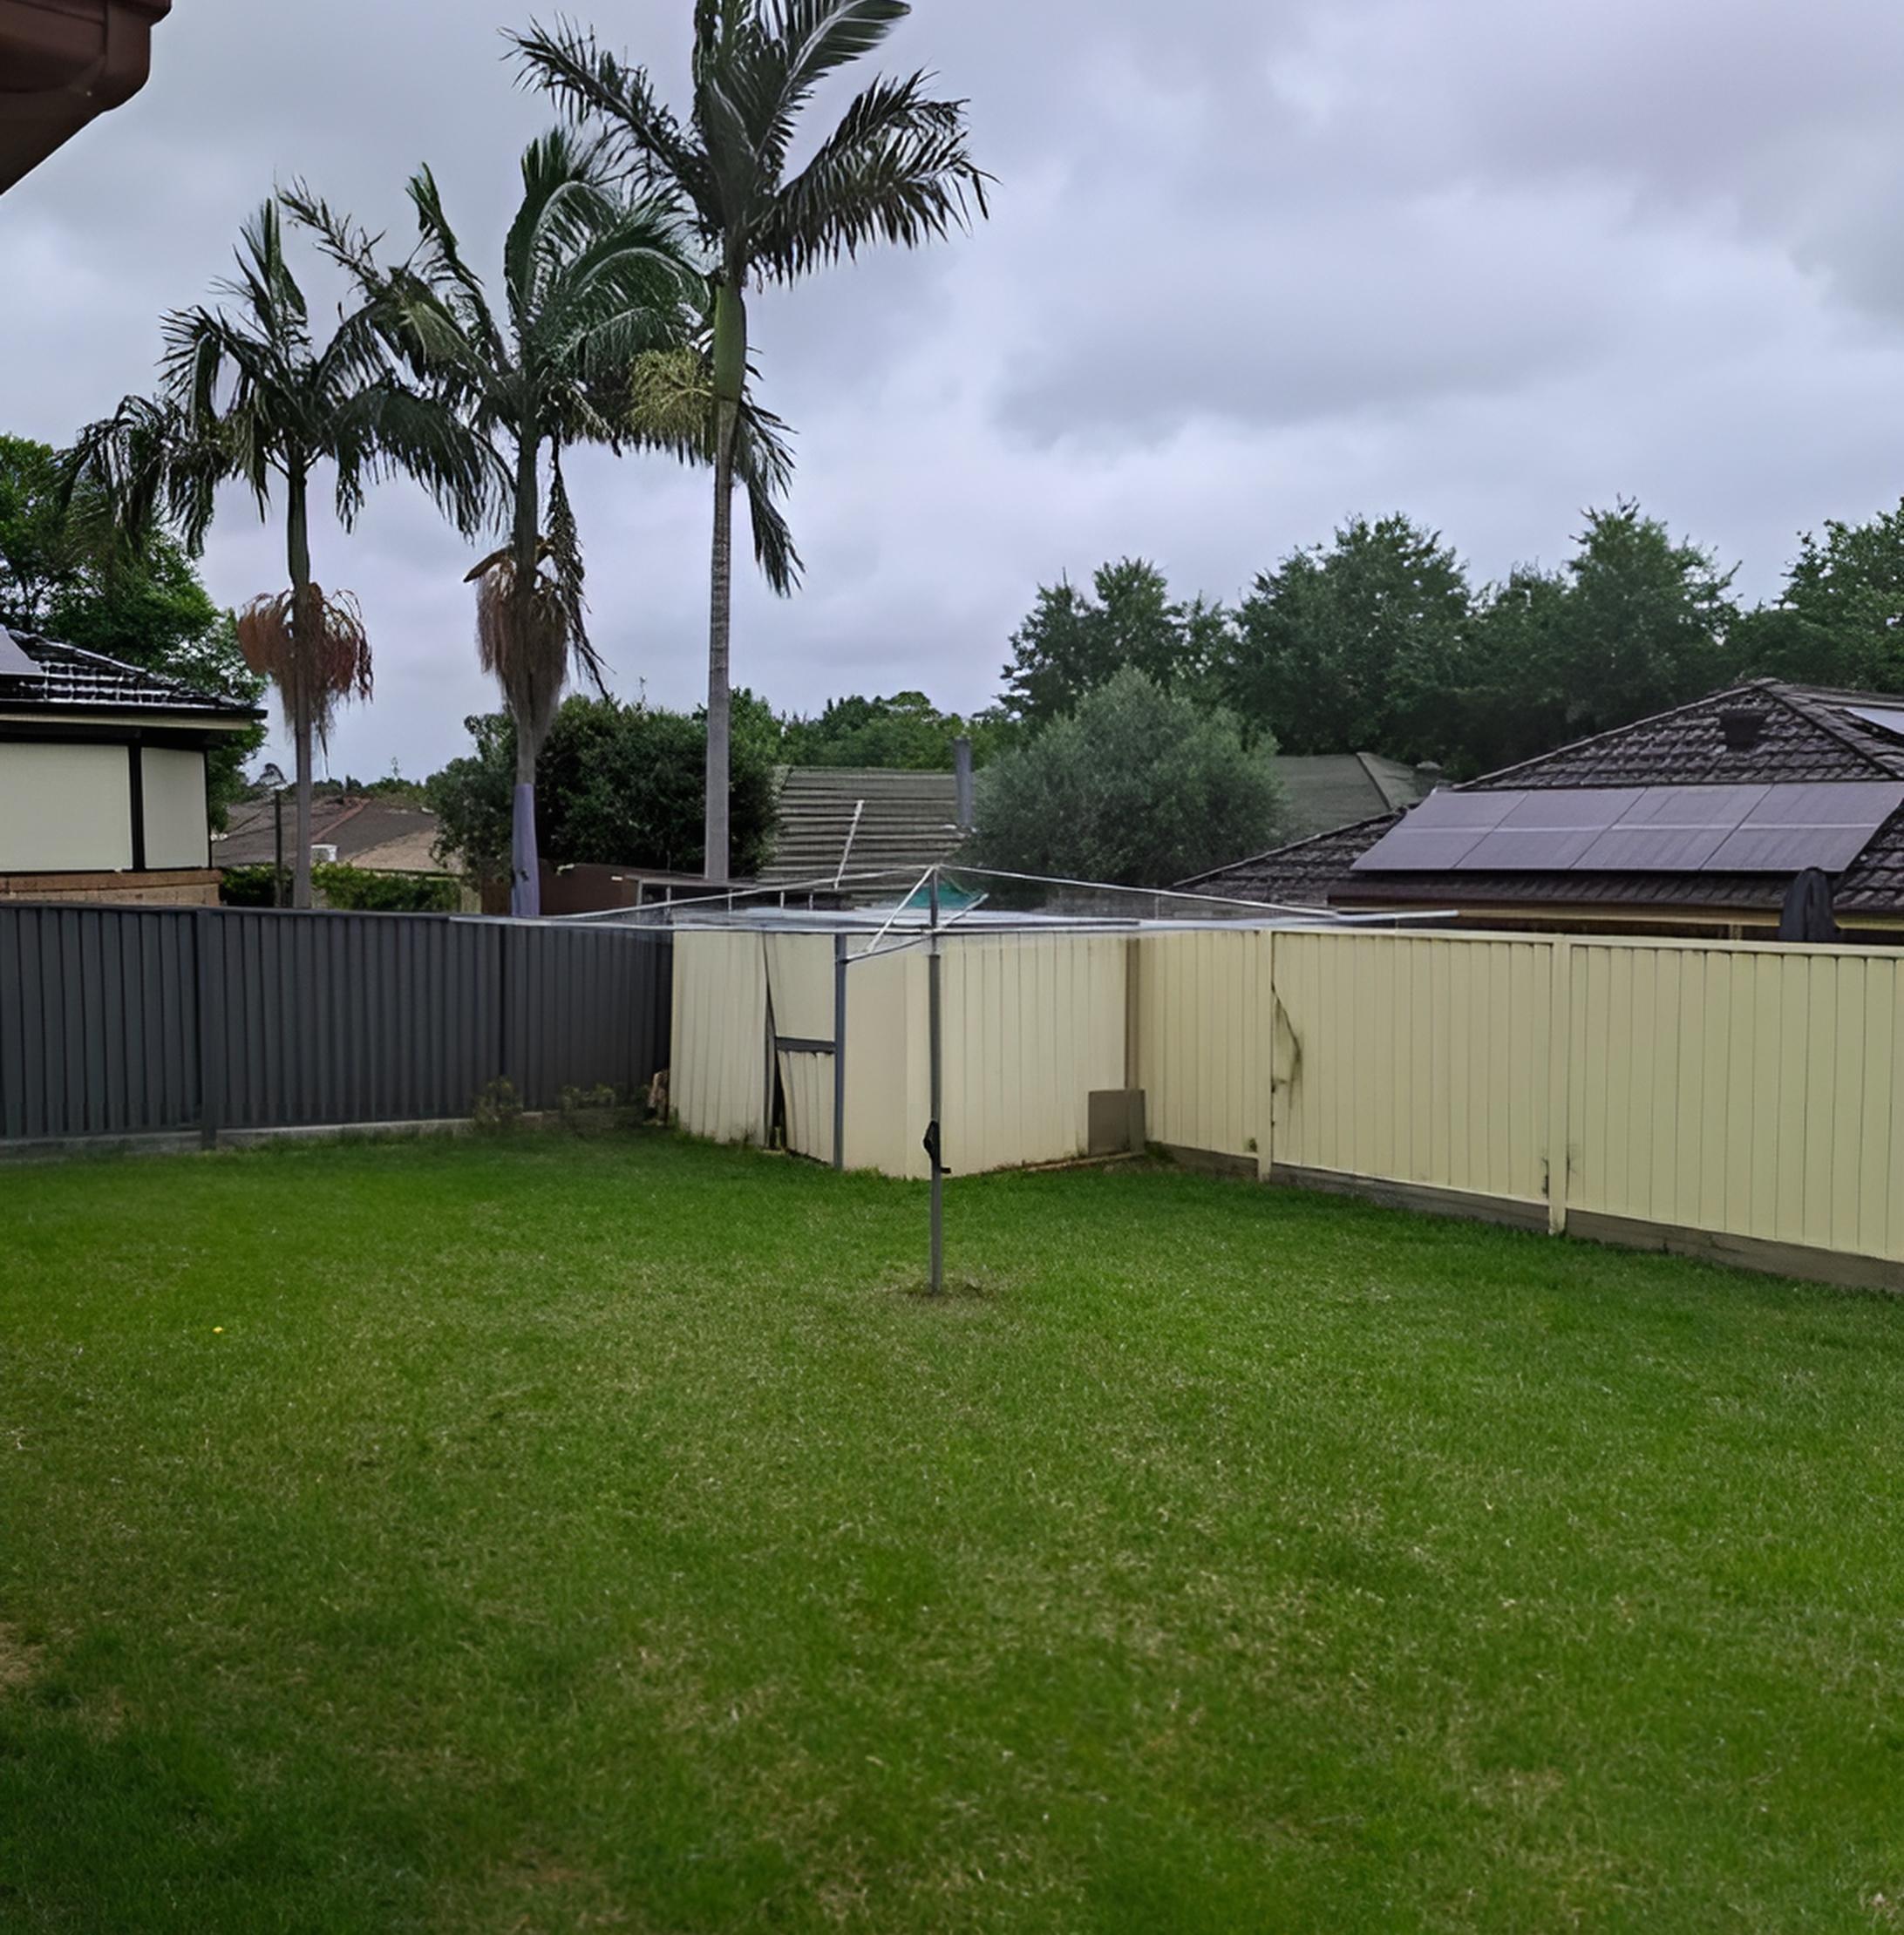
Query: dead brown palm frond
(524, 641)
(315, 664)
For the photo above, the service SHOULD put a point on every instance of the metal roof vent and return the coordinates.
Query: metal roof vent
(1744, 727)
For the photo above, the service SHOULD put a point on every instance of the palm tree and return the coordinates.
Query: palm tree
(894, 168)
(591, 283)
(251, 398)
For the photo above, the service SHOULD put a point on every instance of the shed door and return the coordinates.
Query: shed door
(800, 992)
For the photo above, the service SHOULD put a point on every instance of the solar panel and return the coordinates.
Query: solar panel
(1824, 826)
(1573, 809)
(1421, 850)
(1736, 829)
(1446, 809)
(14, 662)
(1547, 831)
(1670, 830)
(1886, 718)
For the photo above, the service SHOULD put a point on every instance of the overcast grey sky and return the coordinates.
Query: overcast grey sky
(1255, 265)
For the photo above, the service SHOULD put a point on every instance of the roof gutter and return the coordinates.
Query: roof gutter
(62, 63)
(132, 718)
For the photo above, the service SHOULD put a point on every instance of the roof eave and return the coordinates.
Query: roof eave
(68, 63)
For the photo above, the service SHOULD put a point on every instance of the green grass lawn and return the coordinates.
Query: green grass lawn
(557, 1534)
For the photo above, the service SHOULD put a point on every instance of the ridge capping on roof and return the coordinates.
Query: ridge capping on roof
(72, 678)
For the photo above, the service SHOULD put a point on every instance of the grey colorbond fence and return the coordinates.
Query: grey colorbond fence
(138, 1021)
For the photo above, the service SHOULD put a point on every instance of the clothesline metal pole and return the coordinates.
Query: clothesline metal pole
(936, 1278)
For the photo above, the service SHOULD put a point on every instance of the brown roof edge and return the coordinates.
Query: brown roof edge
(62, 62)
(1383, 820)
(1490, 781)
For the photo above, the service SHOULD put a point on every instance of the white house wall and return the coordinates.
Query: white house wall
(67, 809)
(176, 832)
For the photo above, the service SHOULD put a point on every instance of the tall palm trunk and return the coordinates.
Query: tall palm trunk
(305, 622)
(719, 702)
(525, 870)
(729, 379)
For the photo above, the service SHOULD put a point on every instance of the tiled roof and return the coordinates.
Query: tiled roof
(1807, 733)
(66, 678)
(1328, 790)
(363, 828)
(864, 821)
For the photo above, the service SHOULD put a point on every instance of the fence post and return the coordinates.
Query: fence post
(504, 1031)
(211, 1059)
(1267, 1011)
(1560, 1063)
(839, 1051)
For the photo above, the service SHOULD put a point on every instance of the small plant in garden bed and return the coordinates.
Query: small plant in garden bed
(497, 1110)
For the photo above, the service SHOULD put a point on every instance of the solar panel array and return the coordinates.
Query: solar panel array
(1761, 828)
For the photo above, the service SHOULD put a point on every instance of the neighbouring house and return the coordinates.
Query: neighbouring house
(1703, 820)
(102, 777)
(62, 62)
(360, 830)
(836, 823)
(1324, 790)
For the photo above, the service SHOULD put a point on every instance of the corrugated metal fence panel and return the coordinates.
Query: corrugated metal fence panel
(718, 1070)
(1203, 1029)
(1420, 1059)
(309, 1018)
(353, 1018)
(98, 1029)
(1032, 1024)
(1749, 1091)
(587, 1008)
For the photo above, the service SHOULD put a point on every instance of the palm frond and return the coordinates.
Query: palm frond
(895, 169)
(590, 83)
(316, 656)
(150, 468)
(803, 41)
(438, 265)
(565, 205)
(524, 638)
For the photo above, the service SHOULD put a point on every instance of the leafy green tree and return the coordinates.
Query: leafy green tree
(1636, 622)
(893, 168)
(619, 785)
(247, 395)
(42, 553)
(1136, 786)
(1508, 704)
(1839, 620)
(1074, 641)
(590, 282)
(904, 733)
(1351, 646)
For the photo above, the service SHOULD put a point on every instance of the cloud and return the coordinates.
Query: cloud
(1252, 268)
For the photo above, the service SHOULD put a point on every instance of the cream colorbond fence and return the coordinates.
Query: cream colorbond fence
(1731, 1099)
(1033, 1024)
(1751, 1093)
